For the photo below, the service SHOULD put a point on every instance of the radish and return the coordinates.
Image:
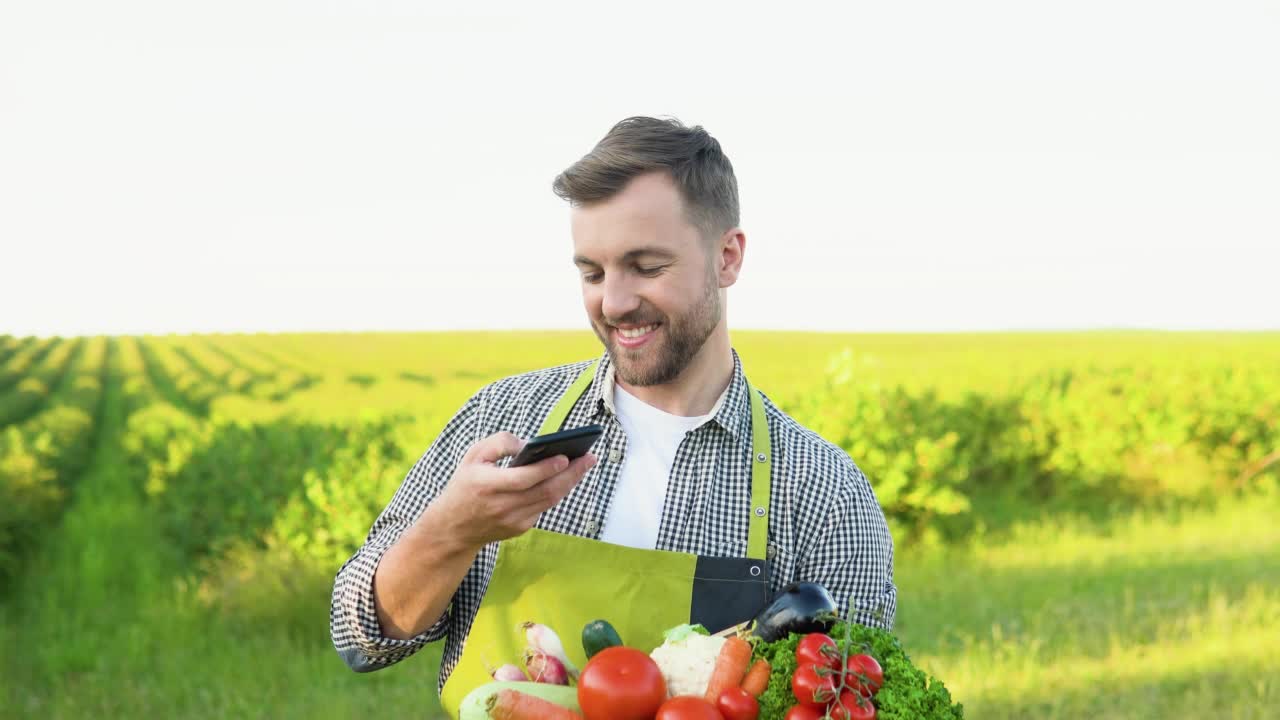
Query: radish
(543, 638)
(545, 668)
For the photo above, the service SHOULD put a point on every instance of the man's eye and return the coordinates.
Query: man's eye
(651, 271)
(591, 277)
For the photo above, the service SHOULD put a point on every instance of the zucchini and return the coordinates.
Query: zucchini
(598, 635)
(473, 705)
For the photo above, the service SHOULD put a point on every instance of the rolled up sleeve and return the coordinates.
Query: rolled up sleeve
(353, 618)
(853, 555)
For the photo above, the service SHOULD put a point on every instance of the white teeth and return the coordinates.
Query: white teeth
(637, 332)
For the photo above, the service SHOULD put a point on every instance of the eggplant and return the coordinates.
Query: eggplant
(802, 607)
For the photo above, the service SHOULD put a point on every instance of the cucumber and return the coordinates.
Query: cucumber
(473, 705)
(598, 635)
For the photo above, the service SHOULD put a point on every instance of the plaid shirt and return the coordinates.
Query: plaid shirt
(825, 524)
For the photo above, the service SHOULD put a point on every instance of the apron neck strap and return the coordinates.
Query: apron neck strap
(570, 398)
(761, 474)
(761, 458)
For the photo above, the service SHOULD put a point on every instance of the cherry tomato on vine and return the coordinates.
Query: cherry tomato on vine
(852, 706)
(803, 712)
(863, 674)
(817, 649)
(814, 686)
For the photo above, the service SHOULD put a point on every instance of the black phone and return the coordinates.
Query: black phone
(573, 444)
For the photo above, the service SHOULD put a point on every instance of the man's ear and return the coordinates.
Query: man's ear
(728, 256)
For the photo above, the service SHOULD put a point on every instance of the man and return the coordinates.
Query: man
(688, 475)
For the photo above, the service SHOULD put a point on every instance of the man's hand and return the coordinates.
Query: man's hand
(484, 503)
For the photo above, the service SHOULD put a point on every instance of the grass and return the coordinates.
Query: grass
(1143, 614)
(1146, 616)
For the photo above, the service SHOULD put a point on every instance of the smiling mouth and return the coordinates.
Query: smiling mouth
(637, 332)
(635, 338)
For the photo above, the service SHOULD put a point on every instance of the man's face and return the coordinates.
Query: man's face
(648, 283)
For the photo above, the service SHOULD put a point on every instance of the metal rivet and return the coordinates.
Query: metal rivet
(762, 457)
(755, 571)
(760, 512)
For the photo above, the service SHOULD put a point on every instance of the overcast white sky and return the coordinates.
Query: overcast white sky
(269, 165)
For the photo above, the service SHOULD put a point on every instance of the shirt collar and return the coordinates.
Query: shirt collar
(732, 410)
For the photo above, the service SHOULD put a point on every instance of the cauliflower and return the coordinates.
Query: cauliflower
(687, 661)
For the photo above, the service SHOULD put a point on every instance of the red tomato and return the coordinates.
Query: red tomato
(817, 649)
(688, 707)
(813, 686)
(863, 674)
(852, 706)
(803, 712)
(621, 683)
(738, 704)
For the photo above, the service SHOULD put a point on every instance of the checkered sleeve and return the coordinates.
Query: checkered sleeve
(853, 555)
(353, 619)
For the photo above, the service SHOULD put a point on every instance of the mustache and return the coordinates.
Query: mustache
(631, 319)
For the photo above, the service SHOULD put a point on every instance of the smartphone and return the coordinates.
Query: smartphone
(571, 443)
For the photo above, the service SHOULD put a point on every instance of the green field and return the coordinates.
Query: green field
(1088, 524)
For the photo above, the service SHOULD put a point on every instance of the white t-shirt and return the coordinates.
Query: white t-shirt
(653, 436)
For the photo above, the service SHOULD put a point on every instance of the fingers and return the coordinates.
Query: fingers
(493, 448)
(554, 488)
(549, 479)
(527, 476)
(517, 510)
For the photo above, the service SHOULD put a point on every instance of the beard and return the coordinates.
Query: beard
(681, 337)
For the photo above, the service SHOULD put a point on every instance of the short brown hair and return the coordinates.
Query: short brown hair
(640, 145)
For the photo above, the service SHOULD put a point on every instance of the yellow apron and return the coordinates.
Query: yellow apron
(565, 581)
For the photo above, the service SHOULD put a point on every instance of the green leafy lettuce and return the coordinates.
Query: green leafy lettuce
(908, 692)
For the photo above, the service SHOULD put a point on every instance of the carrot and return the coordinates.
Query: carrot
(731, 665)
(757, 678)
(515, 705)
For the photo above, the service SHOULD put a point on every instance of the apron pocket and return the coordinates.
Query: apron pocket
(728, 591)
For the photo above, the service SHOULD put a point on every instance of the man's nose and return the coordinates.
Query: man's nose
(620, 299)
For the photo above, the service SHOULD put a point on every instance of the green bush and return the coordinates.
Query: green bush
(1071, 437)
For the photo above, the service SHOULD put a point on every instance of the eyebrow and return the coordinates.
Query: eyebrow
(630, 255)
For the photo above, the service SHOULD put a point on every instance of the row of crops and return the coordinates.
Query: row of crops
(51, 391)
(228, 439)
(50, 399)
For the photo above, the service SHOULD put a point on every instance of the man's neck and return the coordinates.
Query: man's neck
(695, 391)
